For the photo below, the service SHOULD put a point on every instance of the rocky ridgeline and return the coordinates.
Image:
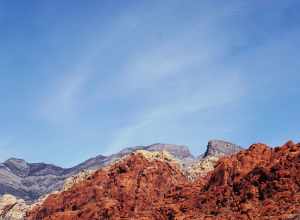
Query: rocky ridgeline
(75, 179)
(218, 148)
(258, 183)
(205, 163)
(175, 155)
(31, 181)
(141, 176)
(201, 167)
(12, 208)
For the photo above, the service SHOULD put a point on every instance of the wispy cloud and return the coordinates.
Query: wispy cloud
(147, 68)
(64, 102)
(218, 69)
(213, 93)
(155, 71)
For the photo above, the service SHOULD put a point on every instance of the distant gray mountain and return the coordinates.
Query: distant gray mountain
(179, 151)
(92, 164)
(29, 181)
(219, 148)
(23, 169)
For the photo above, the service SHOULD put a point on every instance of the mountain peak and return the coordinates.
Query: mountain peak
(180, 151)
(257, 183)
(15, 160)
(18, 166)
(218, 148)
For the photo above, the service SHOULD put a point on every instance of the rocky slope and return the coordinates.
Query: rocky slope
(205, 163)
(29, 181)
(258, 183)
(131, 188)
(12, 208)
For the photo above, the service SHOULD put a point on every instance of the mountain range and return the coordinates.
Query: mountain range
(30, 181)
(259, 183)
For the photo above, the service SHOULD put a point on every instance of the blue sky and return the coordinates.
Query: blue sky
(79, 78)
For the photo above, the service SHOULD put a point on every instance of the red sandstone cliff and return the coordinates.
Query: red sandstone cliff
(258, 183)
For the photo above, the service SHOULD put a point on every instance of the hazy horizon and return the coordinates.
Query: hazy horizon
(80, 79)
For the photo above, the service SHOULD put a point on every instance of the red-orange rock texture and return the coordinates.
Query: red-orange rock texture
(258, 183)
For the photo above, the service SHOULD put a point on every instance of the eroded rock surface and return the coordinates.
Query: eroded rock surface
(258, 183)
(218, 148)
(201, 167)
(128, 189)
(31, 181)
(12, 208)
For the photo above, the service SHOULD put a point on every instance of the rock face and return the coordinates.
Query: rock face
(179, 151)
(214, 151)
(132, 188)
(12, 208)
(219, 148)
(81, 176)
(201, 167)
(30, 181)
(258, 183)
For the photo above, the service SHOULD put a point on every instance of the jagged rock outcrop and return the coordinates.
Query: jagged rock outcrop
(218, 148)
(205, 163)
(128, 189)
(30, 181)
(201, 167)
(178, 151)
(18, 166)
(75, 179)
(12, 208)
(258, 183)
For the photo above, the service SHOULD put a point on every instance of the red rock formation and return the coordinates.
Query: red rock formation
(133, 188)
(255, 184)
(258, 183)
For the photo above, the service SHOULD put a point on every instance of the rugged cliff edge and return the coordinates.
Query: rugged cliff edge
(30, 181)
(258, 183)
